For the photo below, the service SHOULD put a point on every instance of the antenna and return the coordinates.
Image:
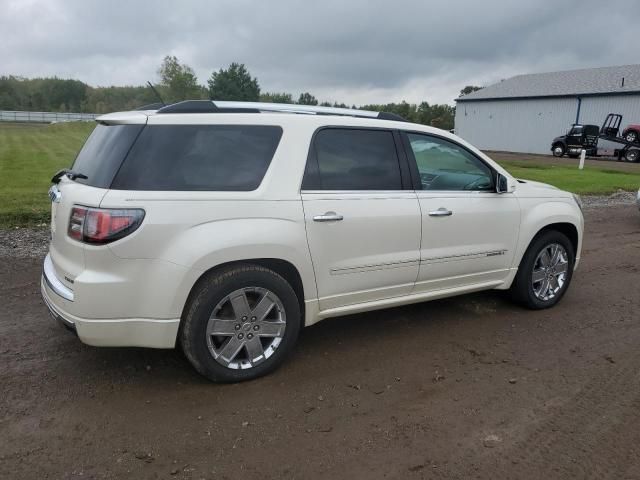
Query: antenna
(156, 92)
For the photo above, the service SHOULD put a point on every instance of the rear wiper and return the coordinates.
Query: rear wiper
(69, 173)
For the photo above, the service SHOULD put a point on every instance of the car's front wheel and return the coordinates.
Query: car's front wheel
(240, 323)
(545, 271)
(558, 150)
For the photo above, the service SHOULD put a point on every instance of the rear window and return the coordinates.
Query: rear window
(352, 159)
(102, 153)
(199, 157)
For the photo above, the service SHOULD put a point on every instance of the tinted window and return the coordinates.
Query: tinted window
(444, 165)
(351, 159)
(199, 157)
(103, 152)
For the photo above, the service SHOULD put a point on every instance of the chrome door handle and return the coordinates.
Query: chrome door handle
(441, 212)
(328, 217)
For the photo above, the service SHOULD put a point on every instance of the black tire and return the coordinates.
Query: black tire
(522, 289)
(631, 136)
(213, 289)
(632, 155)
(558, 150)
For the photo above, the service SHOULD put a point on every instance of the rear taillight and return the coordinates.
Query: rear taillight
(103, 225)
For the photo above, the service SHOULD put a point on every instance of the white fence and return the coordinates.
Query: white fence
(44, 117)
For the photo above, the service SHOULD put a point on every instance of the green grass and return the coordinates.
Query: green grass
(29, 156)
(590, 180)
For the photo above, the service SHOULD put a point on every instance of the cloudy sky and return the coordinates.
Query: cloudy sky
(354, 51)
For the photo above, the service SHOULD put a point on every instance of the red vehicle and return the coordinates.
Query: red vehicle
(631, 133)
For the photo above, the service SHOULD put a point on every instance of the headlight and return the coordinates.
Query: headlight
(578, 200)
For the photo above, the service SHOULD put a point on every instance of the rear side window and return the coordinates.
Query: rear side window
(352, 159)
(199, 157)
(102, 153)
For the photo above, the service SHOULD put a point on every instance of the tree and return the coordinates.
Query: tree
(276, 97)
(178, 81)
(235, 83)
(469, 89)
(307, 99)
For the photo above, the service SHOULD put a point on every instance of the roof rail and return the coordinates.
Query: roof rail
(151, 106)
(214, 106)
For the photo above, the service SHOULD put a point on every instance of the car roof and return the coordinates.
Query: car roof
(224, 112)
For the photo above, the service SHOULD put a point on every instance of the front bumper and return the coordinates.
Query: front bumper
(127, 332)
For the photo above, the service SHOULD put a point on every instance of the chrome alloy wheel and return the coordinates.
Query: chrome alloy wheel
(550, 271)
(246, 327)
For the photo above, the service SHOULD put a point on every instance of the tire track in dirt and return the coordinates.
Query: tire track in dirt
(580, 438)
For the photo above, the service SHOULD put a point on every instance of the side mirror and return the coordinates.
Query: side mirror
(505, 184)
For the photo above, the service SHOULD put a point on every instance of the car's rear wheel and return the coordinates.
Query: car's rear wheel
(240, 323)
(631, 136)
(632, 155)
(545, 271)
(558, 150)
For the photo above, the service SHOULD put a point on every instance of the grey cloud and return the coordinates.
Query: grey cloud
(365, 51)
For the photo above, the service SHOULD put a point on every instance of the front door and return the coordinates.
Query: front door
(363, 226)
(469, 232)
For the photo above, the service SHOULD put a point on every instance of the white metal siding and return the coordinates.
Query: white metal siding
(515, 125)
(595, 109)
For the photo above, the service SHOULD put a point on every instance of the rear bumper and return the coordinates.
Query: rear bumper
(128, 332)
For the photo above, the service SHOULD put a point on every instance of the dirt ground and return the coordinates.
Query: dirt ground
(468, 387)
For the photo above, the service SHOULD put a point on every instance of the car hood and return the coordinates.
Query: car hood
(529, 188)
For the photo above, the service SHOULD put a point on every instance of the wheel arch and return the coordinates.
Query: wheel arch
(566, 228)
(569, 229)
(562, 216)
(284, 268)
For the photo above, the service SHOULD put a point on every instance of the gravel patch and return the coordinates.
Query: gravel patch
(34, 242)
(24, 242)
(599, 201)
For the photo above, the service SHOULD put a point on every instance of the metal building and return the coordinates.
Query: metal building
(524, 113)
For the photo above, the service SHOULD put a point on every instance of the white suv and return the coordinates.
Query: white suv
(225, 227)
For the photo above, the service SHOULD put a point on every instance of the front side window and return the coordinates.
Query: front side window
(199, 158)
(444, 165)
(352, 159)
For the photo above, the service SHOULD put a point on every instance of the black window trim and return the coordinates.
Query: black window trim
(413, 163)
(406, 177)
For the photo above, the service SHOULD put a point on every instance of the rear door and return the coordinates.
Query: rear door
(362, 217)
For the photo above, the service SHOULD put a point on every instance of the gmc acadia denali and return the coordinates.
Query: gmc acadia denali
(225, 227)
